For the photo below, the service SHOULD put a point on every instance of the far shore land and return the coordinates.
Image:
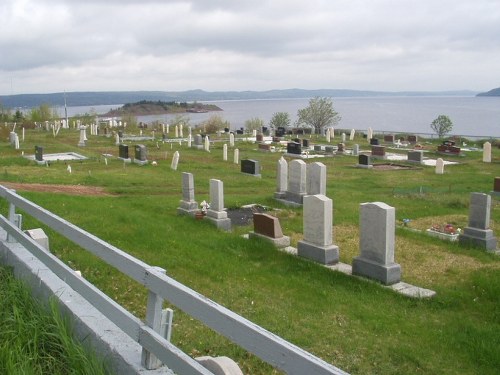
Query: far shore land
(146, 108)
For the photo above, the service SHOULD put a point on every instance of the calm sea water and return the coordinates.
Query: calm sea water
(471, 116)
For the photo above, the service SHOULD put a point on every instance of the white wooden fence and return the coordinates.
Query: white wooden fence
(270, 348)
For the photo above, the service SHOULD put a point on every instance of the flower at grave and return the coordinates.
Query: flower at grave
(204, 206)
(154, 163)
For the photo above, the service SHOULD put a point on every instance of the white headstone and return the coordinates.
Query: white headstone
(68, 168)
(297, 177)
(316, 179)
(342, 137)
(254, 133)
(236, 159)
(351, 136)
(439, 166)
(224, 152)
(175, 161)
(189, 140)
(181, 131)
(328, 135)
(487, 152)
(176, 131)
(369, 134)
(207, 143)
(282, 176)
(231, 139)
(117, 139)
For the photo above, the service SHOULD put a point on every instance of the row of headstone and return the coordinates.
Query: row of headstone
(140, 154)
(297, 179)
(216, 212)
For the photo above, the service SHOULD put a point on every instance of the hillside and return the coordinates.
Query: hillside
(119, 97)
(494, 92)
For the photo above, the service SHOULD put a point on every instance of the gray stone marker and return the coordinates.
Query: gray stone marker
(355, 150)
(377, 239)
(268, 227)
(250, 166)
(478, 233)
(198, 142)
(364, 161)
(141, 155)
(317, 244)
(216, 213)
(416, 156)
(296, 181)
(188, 206)
(316, 179)
(439, 166)
(281, 178)
(175, 161)
(487, 152)
(39, 153)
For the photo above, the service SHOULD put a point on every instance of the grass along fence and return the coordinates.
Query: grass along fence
(267, 346)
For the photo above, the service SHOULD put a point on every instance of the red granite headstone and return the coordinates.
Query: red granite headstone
(267, 225)
(496, 185)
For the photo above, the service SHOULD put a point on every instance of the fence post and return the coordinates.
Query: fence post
(16, 219)
(153, 320)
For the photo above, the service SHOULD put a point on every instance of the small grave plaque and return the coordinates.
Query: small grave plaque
(250, 166)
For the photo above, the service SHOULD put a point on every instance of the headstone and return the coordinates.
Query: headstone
(216, 213)
(305, 143)
(342, 137)
(281, 178)
(231, 139)
(140, 153)
(487, 152)
(355, 150)
(198, 141)
(250, 166)
(478, 232)
(81, 142)
(280, 131)
(264, 147)
(378, 152)
(389, 138)
(190, 140)
(329, 149)
(369, 134)
(439, 166)
(188, 206)
(176, 131)
(123, 151)
(38, 153)
(328, 135)
(416, 156)
(376, 244)
(296, 181)
(236, 157)
(224, 152)
(117, 139)
(351, 136)
(316, 179)
(207, 143)
(364, 161)
(16, 142)
(374, 141)
(412, 139)
(294, 148)
(175, 161)
(318, 148)
(340, 148)
(496, 185)
(448, 147)
(259, 138)
(317, 244)
(254, 133)
(268, 227)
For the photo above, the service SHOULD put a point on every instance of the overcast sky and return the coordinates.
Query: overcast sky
(219, 45)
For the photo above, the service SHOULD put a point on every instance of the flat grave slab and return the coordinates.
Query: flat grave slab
(59, 156)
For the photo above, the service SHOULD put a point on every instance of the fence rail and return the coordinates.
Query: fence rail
(271, 348)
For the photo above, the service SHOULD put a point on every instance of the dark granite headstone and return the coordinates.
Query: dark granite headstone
(294, 148)
(412, 139)
(329, 149)
(276, 139)
(38, 153)
(226, 130)
(264, 130)
(259, 138)
(280, 132)
(123, 151)
(374, 141)
(239, 131)
(305, 143)
(496, 185)
(317, 147)
(364, 159)
(120, 133)
(250, 166)
(140, 152)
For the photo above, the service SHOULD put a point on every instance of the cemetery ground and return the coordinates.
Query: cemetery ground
(355, 324)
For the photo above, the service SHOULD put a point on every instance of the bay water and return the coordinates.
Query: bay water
(473, 117)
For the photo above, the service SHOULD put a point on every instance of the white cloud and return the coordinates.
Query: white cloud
(54, 45)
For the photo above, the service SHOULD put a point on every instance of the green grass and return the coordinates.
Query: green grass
(37, 339)
(354, 324)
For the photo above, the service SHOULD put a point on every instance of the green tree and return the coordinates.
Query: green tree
(280, 120)
(43, 113)
(215, 123)
(318, 115)
(442, 125)
(254, 124)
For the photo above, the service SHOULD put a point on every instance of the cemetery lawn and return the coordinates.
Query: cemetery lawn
(355, 324)
(36, 339)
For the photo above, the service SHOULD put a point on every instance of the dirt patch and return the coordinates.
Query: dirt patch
(244, 215)
(62, 189)
(391, 166)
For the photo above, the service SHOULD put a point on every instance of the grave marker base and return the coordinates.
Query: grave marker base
(387, 274)
(224, 224)
(320, 254)
(278, 242)
(187, 208)
(478, 237)
(141, 162)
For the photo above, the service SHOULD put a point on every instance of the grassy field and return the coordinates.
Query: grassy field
(354, 324)
(36, 339)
